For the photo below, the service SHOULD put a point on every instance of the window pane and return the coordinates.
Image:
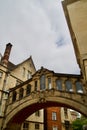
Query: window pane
(21, 93)
(36, 126)
(28, 75)
(55, 128)
(79, 87)
(49, 83)
(42, 82)
(59, 84)
(37, 113)
(68, 85)
(14, 96)
(35, 85)
(28, 91)
(25, 126)
(54, 116)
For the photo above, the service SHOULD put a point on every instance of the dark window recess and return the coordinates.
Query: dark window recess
(28, 90)
(14, 96)
(21, 91)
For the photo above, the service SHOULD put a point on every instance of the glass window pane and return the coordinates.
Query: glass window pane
(54, 116)
(49, 83)
(55, 128)
(14, 96)
(68, 85)
(79, 87)
(28, 90)
(59, 84)
(42, 82)
(21, 93)
(35, 85)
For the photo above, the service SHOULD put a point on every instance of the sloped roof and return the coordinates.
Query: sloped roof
(12, 66)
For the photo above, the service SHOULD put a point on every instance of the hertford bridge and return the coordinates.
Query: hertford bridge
(44, 89)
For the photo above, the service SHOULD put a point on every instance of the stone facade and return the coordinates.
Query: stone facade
(76, 16)
(10, 76)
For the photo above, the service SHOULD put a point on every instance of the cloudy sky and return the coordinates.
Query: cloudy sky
(37, 28)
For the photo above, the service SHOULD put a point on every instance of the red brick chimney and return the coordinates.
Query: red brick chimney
(5, 58)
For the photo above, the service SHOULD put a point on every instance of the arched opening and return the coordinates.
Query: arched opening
(14, 96)
(79, 87)
(59, 84)
(21, 91)
(22, 115)
(68, 86)
(28, 89)
(42, 82)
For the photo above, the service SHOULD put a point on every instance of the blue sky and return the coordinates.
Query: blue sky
(37, 28)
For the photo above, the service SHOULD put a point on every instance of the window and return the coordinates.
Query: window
(79, 87)
(35, 85)
(36, 126)
(28, 75)
(28, 90)
(42, 82)
(17, 82)
(23, 71)
(55, 128)
(21, 91)
(65, 112)
(67, 123)
(68, 85)
(25, 126)
(37, 113)
(49, 83)
(54, 116)
(59, 84)
(1, 74)
(14, 96)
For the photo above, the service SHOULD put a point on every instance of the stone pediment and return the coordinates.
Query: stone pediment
(43, 71)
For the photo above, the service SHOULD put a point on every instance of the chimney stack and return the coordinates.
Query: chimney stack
(5, 58)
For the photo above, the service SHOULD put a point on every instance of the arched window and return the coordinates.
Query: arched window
(28, 90)
(49, 83)
(42, 82)
(59, 84)
(35, 85)
(21, 91)
(79, 87)
(14, 96)
(68, 86)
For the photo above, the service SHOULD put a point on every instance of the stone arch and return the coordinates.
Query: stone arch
(29, 105)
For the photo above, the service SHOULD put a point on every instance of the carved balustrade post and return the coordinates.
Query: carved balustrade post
(24, 93)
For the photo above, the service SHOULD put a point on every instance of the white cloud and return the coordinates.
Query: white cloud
(37, 28)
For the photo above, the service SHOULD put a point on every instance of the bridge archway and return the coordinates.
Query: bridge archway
(41, 97)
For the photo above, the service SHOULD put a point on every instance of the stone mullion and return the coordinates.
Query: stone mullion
(46, 83)
(24, 94)
(38, 85)
(73, 86)
(17, 96)
(53, 83)
(10, 98)
(63, 84)
(84, 89)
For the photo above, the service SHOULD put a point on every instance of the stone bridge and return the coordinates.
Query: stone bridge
(46, 88)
